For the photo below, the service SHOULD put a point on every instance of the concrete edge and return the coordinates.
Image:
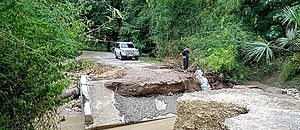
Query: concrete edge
(101, 127)
(86, 99)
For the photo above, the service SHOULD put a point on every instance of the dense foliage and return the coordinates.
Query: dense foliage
(265, 16)
(216, 36)
(104, 22)
(35, 36)
(226, 37)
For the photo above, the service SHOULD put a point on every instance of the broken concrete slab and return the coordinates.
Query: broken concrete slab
(104, 110)
(242, 109)
(147, 82)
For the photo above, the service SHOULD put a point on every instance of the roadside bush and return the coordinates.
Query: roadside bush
(289, 70)
(36, 37)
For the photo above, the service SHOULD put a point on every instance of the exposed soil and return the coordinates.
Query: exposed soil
(242, 108)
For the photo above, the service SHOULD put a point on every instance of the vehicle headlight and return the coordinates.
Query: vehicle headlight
(124, 52)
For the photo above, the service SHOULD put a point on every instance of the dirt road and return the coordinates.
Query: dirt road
(107, 58)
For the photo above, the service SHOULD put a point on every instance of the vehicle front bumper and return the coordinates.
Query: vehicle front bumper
(129, 54)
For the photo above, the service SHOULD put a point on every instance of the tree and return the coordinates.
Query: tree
(106, 20)
(36, 37)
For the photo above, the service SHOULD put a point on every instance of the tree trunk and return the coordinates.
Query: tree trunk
(108, 46)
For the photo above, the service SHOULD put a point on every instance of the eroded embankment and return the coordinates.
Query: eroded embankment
(153, 81)
(237, 109)
(201, 114)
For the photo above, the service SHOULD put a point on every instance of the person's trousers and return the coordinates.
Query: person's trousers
(185, 63)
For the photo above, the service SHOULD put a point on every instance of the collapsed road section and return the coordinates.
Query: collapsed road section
(145, 91)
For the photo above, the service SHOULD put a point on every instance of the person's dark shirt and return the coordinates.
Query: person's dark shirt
(185, 53)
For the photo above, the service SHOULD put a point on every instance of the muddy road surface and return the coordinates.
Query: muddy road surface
(107, 58)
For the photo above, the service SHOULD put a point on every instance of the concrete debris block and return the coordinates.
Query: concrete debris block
(104, 111)
(202, 80)
(160, 105)
(237, 109)
(147, 82)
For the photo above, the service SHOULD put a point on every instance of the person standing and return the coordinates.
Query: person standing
(185, 58)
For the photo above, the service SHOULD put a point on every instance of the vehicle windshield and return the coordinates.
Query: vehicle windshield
(127, 46)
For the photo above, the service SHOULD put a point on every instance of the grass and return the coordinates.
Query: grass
(294, 82)
(149, 59)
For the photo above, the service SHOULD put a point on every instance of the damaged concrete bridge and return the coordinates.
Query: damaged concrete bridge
(151, 94)
(145, 91)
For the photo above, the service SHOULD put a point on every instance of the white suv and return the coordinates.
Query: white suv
(126, 50)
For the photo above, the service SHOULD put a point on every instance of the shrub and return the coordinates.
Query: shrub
(36, 37)
(289, 70)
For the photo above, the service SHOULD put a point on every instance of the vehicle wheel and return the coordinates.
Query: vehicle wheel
(116, 56)
(136, 58)
(121, 57)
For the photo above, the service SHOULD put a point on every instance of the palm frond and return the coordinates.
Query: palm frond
(291, 16)
(291, 34)
(288, 40)
(259, 50)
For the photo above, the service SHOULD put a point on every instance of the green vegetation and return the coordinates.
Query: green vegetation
(229, 38)
(36, 37)
(226, 37)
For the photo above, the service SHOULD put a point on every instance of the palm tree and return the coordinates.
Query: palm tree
(291, 42)
(291, 17)
(260, 49)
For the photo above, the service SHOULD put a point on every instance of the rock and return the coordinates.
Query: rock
(147, 82)
(291, 92)
(274, 90)
(160, 105)
(73, 106)
(241, 109)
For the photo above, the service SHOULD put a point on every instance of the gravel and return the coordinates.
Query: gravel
(73, 105)
(138, 108)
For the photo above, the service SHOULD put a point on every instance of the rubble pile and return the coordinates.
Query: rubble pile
(73, 105)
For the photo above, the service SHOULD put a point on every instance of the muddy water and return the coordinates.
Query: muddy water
(73, 120)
